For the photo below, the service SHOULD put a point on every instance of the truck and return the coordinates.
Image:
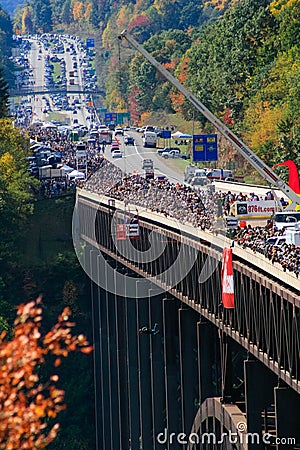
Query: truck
(149, 139)
(189, 172)
(266, 172)
(104, 136)
(292, 236)
(171, 154)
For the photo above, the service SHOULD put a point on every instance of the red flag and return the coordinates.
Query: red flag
(227, 279)
(293, 175)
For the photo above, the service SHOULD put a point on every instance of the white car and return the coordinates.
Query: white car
(116, 154)
(118, 131)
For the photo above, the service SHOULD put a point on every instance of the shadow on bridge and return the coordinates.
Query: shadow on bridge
(229, 379)
(40, 90)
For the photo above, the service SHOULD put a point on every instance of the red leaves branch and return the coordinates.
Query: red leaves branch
(27, 404)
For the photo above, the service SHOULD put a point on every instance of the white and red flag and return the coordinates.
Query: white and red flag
(227, 279)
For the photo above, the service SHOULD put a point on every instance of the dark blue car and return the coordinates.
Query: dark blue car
(128, 140)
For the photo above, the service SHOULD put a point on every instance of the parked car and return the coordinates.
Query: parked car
(171, 154)
(184, 156)
(160, 151)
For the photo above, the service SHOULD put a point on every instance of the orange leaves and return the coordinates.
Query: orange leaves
(27, 403)
(140, 21)
(77, 10)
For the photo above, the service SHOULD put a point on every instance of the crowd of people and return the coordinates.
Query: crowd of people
(198, 208)
(256, 239)
(62, 143)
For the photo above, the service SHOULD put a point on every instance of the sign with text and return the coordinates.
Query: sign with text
(111, 117)
(260, 209)
(90, 43)
(165, 134)
(205, 147)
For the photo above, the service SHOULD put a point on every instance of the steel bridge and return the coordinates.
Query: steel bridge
(209, 373)
(41, 90)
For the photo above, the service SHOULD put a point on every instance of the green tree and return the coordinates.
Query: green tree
(4, 96)
(42, 15)
(6, 31)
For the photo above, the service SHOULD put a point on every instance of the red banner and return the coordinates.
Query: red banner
(121, 232)
(227, 279)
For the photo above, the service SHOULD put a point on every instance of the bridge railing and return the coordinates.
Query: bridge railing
(266, 316)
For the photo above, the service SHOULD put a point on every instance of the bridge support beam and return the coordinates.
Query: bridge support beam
(259, 395)
(142, 307)
(112, 370)
(170, 320)
(157, 370)
(91, 259)
(208, 365)
(226, 367)
(132, 373)
(121, 337)
(287, 406)
(104, 364)
(188, 366)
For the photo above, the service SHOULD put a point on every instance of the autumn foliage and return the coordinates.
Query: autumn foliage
(28, 403)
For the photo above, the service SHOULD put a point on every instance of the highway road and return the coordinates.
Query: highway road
(133, 155)
(37, 61)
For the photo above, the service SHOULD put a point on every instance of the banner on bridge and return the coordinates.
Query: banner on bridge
(227, 279)
(260, 209)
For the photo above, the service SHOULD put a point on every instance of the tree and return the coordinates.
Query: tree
(66, 12)
(42, 15)
(29, 404)
(6, 31)
(4, 96)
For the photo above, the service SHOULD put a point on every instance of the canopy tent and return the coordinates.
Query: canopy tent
(67, 168)
(37, 122)
(76, 174)
(49, 125)
(179, 135)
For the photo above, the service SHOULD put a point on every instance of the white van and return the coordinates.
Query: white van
(200, 173)
(293, 237)
(149, 139)
(287, 219)
(219, 174)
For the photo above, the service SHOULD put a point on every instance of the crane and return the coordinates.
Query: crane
(268, 174)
